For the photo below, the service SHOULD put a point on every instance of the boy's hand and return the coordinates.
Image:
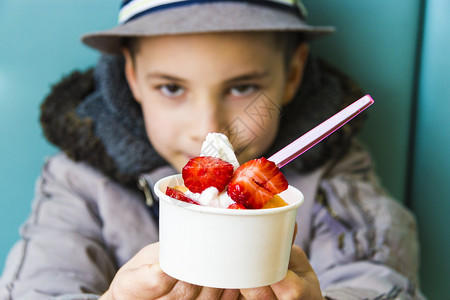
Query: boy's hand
(142, 278)
(300, 282)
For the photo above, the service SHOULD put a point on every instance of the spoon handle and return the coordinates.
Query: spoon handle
(321, 131)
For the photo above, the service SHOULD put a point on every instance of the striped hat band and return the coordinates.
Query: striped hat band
(133, 9)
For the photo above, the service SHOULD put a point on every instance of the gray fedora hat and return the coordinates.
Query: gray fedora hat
(162, 17)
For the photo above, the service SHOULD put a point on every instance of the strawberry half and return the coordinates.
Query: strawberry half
(236, 206)
(256, 182)
(179, 195)
(203, 172)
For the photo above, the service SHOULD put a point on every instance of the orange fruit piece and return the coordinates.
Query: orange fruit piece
(276, 201)
(181, 188)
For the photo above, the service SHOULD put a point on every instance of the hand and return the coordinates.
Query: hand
(300, 282)
(141, 278)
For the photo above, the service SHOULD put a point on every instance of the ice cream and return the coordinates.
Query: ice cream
(218, 145)
(216, 179)
(211, 197)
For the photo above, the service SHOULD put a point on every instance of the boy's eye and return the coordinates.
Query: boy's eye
(171, 90)
(242, 90)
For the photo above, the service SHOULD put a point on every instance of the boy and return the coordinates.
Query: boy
(179, 70)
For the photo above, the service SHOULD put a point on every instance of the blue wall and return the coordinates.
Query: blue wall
(431, 183)
(376, 43)
(39, 43)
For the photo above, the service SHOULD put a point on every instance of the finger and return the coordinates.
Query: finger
(159, 283)
(142, 282)
(230, 295)
(301, 281)
(182, 290)
(260, 293)
(208, 293)
(148, 255)
(291, 287)
(298, 261)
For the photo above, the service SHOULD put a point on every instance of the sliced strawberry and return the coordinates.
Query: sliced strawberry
(236, 206)
(179, 195)
(256, 182)
(203, 172)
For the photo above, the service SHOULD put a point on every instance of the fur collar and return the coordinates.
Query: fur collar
(93, 118)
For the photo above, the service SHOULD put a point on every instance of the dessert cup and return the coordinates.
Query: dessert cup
(225, 248)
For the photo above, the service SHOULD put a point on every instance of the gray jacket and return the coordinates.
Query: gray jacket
(84, 226)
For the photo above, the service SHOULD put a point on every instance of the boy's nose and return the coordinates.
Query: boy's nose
(206, 119)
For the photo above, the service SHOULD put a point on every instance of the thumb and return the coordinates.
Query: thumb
(298, 261)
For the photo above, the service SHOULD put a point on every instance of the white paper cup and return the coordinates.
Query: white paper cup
(225, 248)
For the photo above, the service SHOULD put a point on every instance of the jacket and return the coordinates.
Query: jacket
(88, 218)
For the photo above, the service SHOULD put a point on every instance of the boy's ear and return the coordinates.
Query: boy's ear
(130, 74)
(294, 73)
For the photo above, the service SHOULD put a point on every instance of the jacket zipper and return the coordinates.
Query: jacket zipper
(145, 187)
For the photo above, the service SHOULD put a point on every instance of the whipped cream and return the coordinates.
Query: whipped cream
(211, 197)
(218, 145)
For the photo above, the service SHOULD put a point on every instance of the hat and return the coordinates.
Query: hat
(164, 17)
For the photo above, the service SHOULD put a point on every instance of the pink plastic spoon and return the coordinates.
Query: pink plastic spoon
(321, 131)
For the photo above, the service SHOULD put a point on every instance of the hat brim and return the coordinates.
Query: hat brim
(204, 18)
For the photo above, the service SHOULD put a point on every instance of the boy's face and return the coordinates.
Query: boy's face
(191, 85)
